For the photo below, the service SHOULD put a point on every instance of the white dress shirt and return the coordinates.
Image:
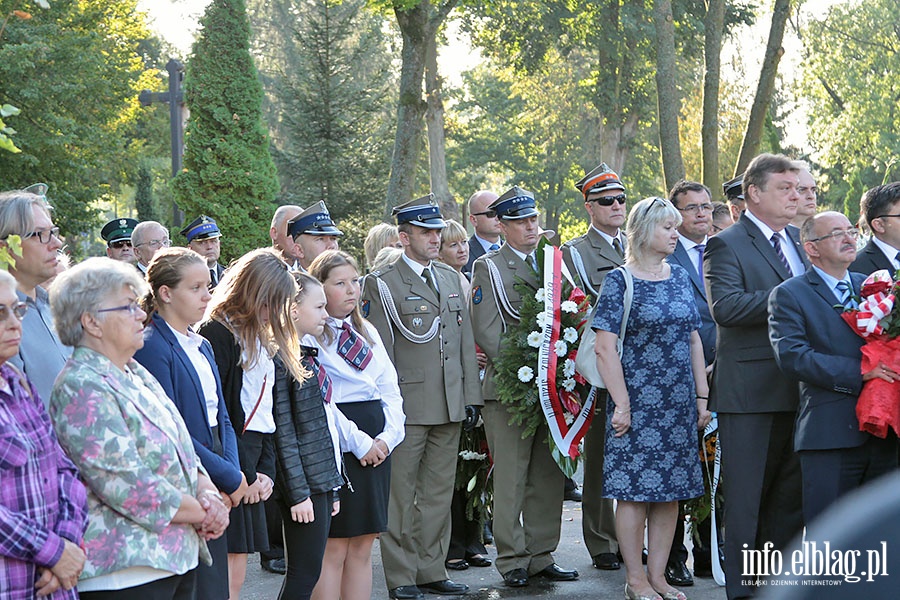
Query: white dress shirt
(190, 343)
(889, 251)
(787, 244)
(255, 376)
(378, 381)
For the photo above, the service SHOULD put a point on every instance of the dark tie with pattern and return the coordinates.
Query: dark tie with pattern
(699, 248)
(430, 282)
(776, 243)
(353, 348)
(532, 260)
(617, 246)
(846, 293)
(322, 377)
(212, 277)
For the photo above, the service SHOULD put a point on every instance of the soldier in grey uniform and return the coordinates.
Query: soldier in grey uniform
(589, 258)
(420, 311)
(528, 485)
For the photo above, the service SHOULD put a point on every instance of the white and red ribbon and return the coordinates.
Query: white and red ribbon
(565, 436)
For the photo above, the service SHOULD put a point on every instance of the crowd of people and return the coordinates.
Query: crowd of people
(162, 417)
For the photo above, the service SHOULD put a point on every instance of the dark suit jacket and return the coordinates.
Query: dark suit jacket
(707, 325)
(220, 270)
(475, 250)
(815, 346)
(871, 259)
(164, 357)
(740, 269)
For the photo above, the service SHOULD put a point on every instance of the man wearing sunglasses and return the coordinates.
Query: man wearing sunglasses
(26, 214)
(117, 235)
(589, 258)
(881, 208)
(486, 237)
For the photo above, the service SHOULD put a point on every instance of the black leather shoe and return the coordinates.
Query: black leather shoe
(607, 561)
(478, 560)
(457, 564)
(516, 578)
(444, 587)
(275, 565)
(556, 573)
(406, 592)
(677, 574)
(487, 535)
(574, 495)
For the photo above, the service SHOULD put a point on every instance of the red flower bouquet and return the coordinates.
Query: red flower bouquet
(878, 406)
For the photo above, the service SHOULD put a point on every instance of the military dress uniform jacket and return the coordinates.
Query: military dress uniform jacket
(438, 377)
(492, 315)
(592, 259)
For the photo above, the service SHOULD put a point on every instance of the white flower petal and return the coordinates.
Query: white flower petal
(525, 374)
(534, 339)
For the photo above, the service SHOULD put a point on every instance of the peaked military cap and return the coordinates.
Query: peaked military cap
(734, 189)
(117, 230)
(514, 204)
(599, 179)
(201, 228)
(315, 220)
(422, 212)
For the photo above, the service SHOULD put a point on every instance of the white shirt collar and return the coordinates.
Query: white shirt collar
(889, 251)
(417, 268)
(609, 238)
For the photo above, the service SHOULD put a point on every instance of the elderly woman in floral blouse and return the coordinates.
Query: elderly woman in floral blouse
(43, 506)
(150, 502)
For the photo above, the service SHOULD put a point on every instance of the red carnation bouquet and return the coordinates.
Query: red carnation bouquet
(878, 407)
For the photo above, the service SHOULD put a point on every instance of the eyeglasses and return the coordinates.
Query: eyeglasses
(695, 208)
(163, 243)
(608, 200)
(490, 214)
(44, 236)
(119, 244)
(839, 233)
(16, 308)
(132, 307)
(886, 216)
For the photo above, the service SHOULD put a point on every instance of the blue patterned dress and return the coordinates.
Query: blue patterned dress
(657, 460)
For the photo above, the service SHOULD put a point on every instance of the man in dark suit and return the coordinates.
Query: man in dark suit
(693, 200)
(486, 225)
(881, 208)
(589, 258)
(813, 345)
(755, 401)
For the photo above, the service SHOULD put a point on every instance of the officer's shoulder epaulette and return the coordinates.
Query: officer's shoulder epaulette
(441, 265)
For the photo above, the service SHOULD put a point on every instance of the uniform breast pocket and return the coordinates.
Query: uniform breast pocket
(14, 451)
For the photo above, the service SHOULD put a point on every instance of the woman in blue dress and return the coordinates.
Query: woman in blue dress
(657, 396)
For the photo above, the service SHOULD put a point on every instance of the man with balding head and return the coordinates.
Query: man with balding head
(147, 239)
(486, 225)
(815, 347)
(278, 233)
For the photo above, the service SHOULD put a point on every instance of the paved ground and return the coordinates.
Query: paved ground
(486, 583)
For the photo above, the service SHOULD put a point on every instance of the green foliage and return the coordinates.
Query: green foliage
(6, 142)
(144, 202)
(77, 74)
(852, 81)
(228, 172)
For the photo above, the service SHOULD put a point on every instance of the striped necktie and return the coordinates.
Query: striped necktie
(846, 293)
(322, 377)
(776, 244)
(353, 348)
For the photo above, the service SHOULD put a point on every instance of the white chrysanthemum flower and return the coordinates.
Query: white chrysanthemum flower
(570, 418)
(534, 339)
(568, 384)
(561, 348)
(569, 307)
(525, 374)
(570, 334)
(540, 295)
(541, 319)
(569, 367)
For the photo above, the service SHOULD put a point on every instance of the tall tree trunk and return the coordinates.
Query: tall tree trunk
(434, 122)
(666, 92)
(709, 129)
(774, 51)
(410, 106)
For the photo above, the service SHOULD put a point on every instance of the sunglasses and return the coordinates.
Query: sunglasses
(608, 200)
(16, 308)
(119, 244)
(490, 214)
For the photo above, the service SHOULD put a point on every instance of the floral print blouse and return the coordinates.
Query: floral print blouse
(136, 459)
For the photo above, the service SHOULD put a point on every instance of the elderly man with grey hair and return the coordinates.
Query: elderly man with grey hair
(278, 233)
(146, 239)
(26, 215)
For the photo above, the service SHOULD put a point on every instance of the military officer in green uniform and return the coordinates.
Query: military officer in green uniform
(528, 485)
(420, 312)
(589, 258)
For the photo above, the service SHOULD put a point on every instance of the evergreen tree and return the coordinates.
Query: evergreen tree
(228, 172)
(144, 202)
